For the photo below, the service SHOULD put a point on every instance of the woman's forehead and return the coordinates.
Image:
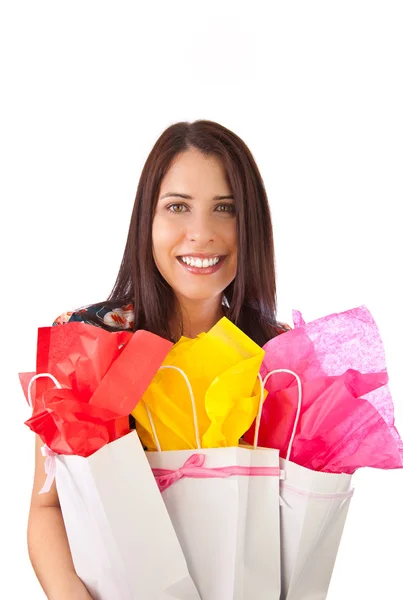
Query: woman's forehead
(191, 174)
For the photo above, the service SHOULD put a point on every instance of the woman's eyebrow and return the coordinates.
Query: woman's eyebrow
(187, 197)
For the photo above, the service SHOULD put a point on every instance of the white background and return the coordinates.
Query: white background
(314, 89)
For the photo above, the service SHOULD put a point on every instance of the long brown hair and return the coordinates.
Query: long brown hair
(251, 297)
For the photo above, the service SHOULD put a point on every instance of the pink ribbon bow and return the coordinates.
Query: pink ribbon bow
(50, 468)
(194, 467)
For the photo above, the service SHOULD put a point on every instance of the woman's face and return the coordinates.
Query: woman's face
(194, 231)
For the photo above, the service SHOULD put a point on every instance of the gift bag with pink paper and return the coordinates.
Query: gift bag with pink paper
(329, 415)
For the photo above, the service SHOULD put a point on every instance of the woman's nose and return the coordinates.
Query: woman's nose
(200, 230)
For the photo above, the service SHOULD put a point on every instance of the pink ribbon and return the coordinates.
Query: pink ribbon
(50, 468)
(319, 495)
(194, 467)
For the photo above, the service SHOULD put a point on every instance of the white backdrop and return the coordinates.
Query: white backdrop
(315, 90)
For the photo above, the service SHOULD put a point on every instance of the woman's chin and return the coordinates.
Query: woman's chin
(204, 294)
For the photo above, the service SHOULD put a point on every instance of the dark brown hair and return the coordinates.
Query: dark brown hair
(252, 294)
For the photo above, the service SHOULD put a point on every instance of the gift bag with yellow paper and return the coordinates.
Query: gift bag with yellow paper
(222, 498)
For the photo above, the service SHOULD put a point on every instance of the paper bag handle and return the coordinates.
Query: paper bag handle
(52, 377)
(195, 421)
(192, 400)
(259, 415)
(259, 412)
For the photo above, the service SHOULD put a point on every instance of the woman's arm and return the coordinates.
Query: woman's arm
(48, 546)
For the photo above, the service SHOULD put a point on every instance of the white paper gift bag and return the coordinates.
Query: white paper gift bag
(313, 512)
(224, 505)
(122, 541)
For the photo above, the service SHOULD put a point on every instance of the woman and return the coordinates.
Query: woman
(199, 247)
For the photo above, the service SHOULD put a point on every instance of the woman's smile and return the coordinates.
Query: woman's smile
(198, 265)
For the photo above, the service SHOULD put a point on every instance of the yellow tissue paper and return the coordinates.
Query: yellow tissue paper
(222, 367)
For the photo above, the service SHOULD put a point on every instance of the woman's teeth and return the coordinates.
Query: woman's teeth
(198, 262)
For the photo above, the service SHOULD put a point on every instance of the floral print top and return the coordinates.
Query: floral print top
(118, 316)
(114, 315)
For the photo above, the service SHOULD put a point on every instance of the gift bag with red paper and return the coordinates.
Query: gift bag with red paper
(88, 380)
(223, 499)
(331, 414)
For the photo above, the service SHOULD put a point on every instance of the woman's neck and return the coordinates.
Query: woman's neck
(198, 316)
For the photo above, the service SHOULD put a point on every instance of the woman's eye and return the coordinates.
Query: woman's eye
(230, 208)
(176, 208)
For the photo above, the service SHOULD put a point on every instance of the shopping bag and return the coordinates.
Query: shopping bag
(124, 545)
(122, 541)
(120, 535)
(224, 506)
(121, 538)
(313, 511)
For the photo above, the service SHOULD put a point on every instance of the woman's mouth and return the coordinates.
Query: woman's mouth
(201, 266)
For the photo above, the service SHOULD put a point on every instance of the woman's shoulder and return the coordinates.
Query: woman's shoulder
(109, 314)
(283, 327)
